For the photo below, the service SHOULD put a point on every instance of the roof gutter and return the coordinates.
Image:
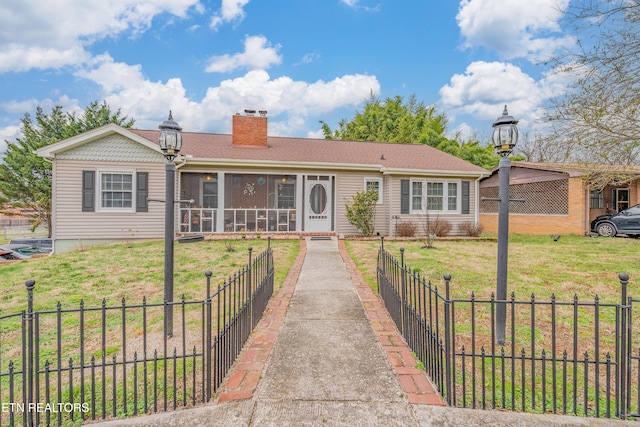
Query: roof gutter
(331, 166)
(399, 171)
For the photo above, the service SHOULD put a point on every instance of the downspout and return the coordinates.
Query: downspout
(387, 199)
(53, 228)
(477, 202)
(587, 203)
(386, 183)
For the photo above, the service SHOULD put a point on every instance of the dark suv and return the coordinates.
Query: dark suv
(624, 222)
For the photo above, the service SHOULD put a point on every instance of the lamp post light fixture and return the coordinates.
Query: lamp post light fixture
(170, 143)
(505, 137)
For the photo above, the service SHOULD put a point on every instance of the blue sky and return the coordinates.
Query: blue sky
(301, 60)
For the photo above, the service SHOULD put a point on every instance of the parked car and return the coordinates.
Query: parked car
(45, 243)
(8, 255)
(17, 251)
(624, 222)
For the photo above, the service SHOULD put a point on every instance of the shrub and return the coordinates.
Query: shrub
(438, 227)
(471, 229)
(361, 211)
(406, 229)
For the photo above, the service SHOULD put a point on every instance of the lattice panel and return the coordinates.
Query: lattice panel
(541, 198)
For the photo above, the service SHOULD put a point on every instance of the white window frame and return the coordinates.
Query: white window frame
(445, 196)
(99, 174)
(367, 180)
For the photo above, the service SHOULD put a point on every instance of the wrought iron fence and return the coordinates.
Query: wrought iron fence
(567, 357)
(65, 365)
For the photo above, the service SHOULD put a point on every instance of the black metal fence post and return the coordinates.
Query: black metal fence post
(249, 287)
(209, 326)
(447, 338)
(28, 414)
(403, 293)
(624, 356)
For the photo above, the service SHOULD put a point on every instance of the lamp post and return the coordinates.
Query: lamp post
(505, 136)
(170, 144)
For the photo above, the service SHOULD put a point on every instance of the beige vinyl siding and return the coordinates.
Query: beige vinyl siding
(71, 223)
(347, 185)
(419, 219)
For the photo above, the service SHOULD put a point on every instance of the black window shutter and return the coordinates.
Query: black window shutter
(465, 197)
(404, 196)
(142, 191)
(88, 191)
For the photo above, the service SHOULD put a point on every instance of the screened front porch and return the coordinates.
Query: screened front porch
(248, 203)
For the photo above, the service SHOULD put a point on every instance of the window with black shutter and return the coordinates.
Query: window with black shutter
(88, 191)
(465, 197)
(404, 196)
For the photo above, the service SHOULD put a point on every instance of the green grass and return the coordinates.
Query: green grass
(538, 265)
(130, 271)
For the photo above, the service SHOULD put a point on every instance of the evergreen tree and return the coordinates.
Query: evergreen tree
(393, 120)
(25, 178)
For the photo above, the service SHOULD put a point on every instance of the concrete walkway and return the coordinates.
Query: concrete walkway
(326, 353)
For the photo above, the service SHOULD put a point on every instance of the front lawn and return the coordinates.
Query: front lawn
(131, 271)
(537, 264)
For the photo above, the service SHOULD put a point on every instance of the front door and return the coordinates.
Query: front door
(318, 206)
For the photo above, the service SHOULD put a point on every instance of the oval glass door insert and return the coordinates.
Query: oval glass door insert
(318, 199)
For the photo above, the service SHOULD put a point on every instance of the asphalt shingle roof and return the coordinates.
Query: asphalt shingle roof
(295, 150)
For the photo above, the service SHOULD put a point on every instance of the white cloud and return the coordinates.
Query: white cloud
(47, 104)
(230, 10)
(513, 28)
(53, 34)
(258, 54)
(9, 133)
(290, 103)
(12, 132)
(484, 89)
(463, 132)
(355, 4)
(308, 58)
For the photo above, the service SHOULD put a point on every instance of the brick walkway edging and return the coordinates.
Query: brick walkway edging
(413, 381)
(246, 372)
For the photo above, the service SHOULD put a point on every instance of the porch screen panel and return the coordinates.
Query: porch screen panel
(540, 198)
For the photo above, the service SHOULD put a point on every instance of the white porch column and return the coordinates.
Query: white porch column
(220, 213)
(299, 202)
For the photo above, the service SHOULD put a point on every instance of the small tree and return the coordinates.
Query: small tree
(361, 211)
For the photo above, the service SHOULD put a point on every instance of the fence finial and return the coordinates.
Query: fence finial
(30, 284)
(624, 278)
(447, 281)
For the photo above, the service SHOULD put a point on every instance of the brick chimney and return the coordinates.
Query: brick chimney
(250, 130)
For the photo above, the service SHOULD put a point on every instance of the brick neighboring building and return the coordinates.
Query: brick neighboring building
(558, 198)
